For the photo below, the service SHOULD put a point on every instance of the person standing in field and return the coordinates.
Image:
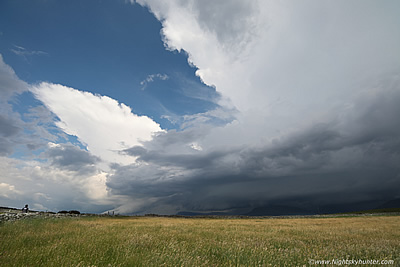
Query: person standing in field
(25, 209)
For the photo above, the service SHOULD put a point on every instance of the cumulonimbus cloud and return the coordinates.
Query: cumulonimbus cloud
(351, 157)
(314, 85)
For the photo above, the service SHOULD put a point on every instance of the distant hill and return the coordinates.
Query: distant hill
(272, 210)
(372, 211)
(394, 203)
(277, 210)
(189, 213)
(7, 208)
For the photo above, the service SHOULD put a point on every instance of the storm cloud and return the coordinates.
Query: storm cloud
(349, 160)
(70, 157)
(7, 130)
(316, 95)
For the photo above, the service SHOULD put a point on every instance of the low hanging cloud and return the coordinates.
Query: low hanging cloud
(70, 157)
(100, 122)
(9, 132)
(349, 159)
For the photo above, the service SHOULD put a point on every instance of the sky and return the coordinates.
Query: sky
(165, 107)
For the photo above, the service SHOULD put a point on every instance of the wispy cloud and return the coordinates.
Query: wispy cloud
(25, 53)
(152, 77)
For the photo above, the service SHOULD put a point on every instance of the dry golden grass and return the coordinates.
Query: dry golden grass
(156, 241)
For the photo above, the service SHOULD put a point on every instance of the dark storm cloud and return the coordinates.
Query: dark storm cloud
(187, 161)
(352, 158)
(9, 131)
(174, 139)
(7, 127)
(6, 147)
(175, 149)
(70, 157)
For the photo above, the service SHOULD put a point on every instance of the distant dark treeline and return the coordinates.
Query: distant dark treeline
(69, 212)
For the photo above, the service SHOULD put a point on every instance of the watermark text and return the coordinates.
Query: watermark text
(350, 262)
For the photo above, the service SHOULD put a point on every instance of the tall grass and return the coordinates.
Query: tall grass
(148, 241)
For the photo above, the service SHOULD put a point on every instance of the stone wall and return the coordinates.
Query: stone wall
(13, 215)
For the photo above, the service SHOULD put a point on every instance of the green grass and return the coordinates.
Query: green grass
(156, 241)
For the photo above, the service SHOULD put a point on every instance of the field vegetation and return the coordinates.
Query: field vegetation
(159, 241)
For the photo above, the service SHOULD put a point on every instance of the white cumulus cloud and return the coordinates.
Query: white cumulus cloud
(100, 122)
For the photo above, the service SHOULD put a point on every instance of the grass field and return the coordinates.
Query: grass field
(158, 241)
